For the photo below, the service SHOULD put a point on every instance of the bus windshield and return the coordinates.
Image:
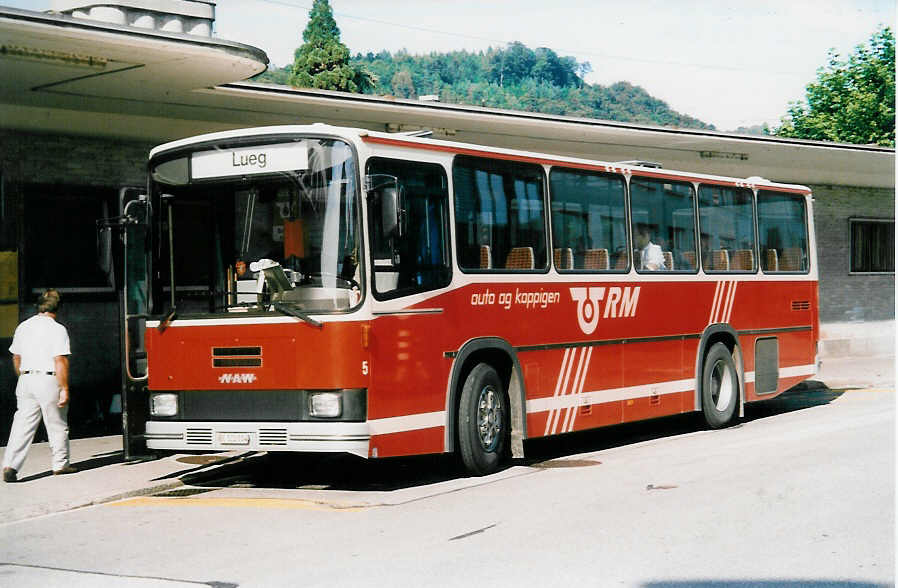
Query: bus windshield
(260, 228)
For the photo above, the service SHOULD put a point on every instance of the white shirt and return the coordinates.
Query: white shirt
(38, 341)
(652, 258)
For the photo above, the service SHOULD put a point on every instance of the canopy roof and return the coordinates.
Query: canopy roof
(74, 76)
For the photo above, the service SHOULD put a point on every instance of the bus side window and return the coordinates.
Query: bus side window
(499, 215)
(726, 222)
(663, 218)
(783, 232)
(419, 260)
(589, 227)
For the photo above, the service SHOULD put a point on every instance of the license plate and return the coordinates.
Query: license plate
(233, 438)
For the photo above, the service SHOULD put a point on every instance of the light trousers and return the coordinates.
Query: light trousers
(37, 395)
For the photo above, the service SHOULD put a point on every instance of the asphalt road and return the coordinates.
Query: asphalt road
(801, 493)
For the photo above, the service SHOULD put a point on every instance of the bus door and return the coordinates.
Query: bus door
(410, 257)
(124, 252)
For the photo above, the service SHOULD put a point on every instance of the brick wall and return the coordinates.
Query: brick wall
(89, 161)
(844, 296)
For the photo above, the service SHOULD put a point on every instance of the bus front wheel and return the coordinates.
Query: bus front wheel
(720, 387)
(483, 421)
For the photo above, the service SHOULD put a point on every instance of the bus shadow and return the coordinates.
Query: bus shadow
(350, 473)
(336, 472)
(806, 395)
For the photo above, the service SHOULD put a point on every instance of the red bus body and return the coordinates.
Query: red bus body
(575, 350)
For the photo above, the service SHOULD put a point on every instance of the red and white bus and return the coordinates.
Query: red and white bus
(325, 289)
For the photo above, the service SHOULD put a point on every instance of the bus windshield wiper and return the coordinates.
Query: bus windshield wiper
(297, 313)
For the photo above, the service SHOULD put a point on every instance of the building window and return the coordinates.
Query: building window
(872, 245)
(61, 236)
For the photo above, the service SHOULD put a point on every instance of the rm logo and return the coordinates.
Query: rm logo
(621, 303)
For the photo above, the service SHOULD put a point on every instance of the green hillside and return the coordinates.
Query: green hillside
(515, 78)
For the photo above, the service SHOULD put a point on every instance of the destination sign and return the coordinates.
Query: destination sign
(262, 159)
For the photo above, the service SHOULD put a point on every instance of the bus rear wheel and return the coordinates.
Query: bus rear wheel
(483, 421)
(720, 387)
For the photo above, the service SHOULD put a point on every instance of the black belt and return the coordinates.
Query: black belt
(38, 372)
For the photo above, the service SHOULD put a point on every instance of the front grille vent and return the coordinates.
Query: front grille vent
(801, 305)
(199, 436)
(272, 436)
(227, 357)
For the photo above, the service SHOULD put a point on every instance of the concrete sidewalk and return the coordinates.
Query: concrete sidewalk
(103, 475)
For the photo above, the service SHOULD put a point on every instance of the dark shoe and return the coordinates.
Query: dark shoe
(66, 470)
(9, 475)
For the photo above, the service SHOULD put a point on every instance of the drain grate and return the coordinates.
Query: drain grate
(565, 463)
(201, 459)
(181, 492)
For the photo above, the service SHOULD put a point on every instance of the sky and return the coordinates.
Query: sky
(726, 62)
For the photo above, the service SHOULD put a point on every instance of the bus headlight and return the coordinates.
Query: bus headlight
(327, 405)
(163, 404)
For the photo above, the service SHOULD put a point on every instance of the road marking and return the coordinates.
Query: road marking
(276, 503)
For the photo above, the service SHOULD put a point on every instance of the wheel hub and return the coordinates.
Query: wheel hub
(722, 385)
(489, 418)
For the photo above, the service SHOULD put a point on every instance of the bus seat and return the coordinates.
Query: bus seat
(519, 258)
(621, 262)
(486, 259)
(597, 259)
(772, 261)
(689, 259)
(791, 261)
(743, 260)
(564, 258)
(720, 260)
(668, 260)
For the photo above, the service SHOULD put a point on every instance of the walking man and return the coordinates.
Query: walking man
(40, 356)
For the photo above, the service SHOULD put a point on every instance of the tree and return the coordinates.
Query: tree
(852, 101)
(517, 77)
(402, 84)
(323, 60)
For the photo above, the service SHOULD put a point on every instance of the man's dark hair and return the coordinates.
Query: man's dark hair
(48, 301)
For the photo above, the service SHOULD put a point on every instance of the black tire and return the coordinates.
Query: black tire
(720, 387)
(483, 421)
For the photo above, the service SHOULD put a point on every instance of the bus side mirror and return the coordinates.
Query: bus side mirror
(105, 254)
(392, 212)
(134, 212)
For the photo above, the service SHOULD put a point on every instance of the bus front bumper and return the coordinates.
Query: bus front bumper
(317, 437)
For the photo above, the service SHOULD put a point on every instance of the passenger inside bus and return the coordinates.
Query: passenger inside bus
(651, 257)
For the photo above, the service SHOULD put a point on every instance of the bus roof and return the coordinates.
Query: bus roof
(440, 145)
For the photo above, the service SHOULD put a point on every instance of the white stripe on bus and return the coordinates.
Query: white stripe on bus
(713, 318)
(572, 411)
(609, 395)
(730, 301)
(564, 360)
(569, 402)
(411, 422)
(581, 372)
